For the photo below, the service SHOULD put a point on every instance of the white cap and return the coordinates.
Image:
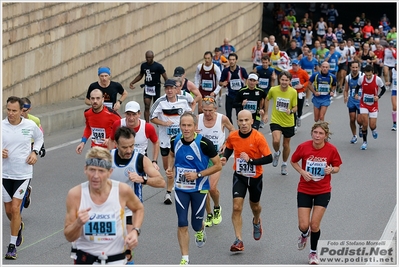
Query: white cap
(132, 106)
(253, 76)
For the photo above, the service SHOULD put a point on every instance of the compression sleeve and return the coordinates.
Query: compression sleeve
(227, 153)
(263, 160)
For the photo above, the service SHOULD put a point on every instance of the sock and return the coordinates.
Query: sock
(305, 233)
(13, 240)
(313, 251)
(185, 257)
(216, 207)
(314, 238)
(284, 163)
(394, 117)
(364, 136)
(169, 192)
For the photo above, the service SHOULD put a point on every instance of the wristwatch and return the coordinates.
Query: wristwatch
(120, 102)
(199, 175)
(145, 179)
(137, 230)
(36, 152)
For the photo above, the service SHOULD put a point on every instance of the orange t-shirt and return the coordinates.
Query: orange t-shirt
(303, 77)
(255, 145)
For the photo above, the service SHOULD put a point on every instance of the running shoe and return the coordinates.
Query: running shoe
(11, 252)
(257, 233)
(298, 122)
(276, 155)
(284, 169)
(217, 216)
(184, 262)
(262, 124)
(313, 258)
(209, 219)
(360, 132)
(168, 199)
(302, 242)
(200, 238)
(295, 129)
(20, 238)
(220, 103)
(354, 140)
(340, 90)
(28, 199)
(364, 146)
(238, 245)
(393, 127)
(307, 103)
(375, 134)
(335, 93)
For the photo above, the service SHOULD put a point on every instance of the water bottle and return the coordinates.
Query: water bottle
(103, 258)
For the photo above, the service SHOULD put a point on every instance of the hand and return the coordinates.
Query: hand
(131, 240)
(32, 158)
(83, 216)
(265, 118)
(223, 160)
(169, 173)
(134, 177)
(244, 102)
(306, 175)
(329, 170)
(79, 148)
(155, 166)
(5, 153)
(168, 123)
(42, 151)
(190, 176)
(244, 156)
(117, 106)
(131, 86)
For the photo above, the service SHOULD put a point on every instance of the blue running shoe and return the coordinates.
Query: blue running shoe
(354, 140)
(11, 252)
(375, 134)
(364, 146)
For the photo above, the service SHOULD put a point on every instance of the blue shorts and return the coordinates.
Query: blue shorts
(353, 105)
(183, 200)
(393, 93)
(319, 101)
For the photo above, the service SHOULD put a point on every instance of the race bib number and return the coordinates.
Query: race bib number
(316, 168)
(173, 130)
(294, 82)
(207, 85)
(282, 104)
(245, 169)
(324, 89)
(150, 90)
(98, 135)
(368, 99)
(332, 65)
(274, 63)
(101, 230)
(263, 83)
(181, 181)
(235, 84)
(309, 72)
(251, 106)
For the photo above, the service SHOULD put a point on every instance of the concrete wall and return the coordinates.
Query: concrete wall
(51, 51)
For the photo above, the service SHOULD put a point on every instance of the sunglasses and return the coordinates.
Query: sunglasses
(209, 99)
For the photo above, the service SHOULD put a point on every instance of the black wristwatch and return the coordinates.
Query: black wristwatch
(120, 102)
(145, 179)
(36, 152)
(199, 175)
(137, 230)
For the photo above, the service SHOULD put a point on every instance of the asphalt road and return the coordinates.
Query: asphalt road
(363, 198)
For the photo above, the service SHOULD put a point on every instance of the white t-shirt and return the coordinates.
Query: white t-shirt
(17, 139)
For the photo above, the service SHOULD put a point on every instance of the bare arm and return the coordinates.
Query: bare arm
(155, 178)
(138, 78)
(74, 219)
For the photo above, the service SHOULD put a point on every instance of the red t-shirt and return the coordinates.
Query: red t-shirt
(314, 161)
(99, 125)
